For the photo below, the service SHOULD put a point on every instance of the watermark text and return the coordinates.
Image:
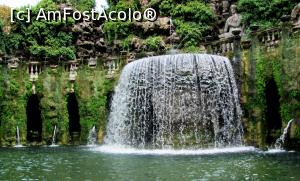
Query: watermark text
(129, 15)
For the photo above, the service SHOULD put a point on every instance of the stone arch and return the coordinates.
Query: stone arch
(34, 119)
(273, 117)
(74, 117)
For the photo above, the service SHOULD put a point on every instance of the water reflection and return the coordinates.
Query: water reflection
(63, 163)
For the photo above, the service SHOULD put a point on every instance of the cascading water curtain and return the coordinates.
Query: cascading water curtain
(187, 100)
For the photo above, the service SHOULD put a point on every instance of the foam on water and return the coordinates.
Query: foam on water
(275, 151)
(120, 149)
(19, 146)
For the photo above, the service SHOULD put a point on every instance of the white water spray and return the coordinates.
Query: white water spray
(54, 137)
(92, 139)
(18, 144)
(176, 101)
(280, 141)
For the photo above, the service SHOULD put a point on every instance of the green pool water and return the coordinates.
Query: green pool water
(82, 163)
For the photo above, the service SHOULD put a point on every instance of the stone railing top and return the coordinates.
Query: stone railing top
(219, 47)
(269, 37)
(34, 62)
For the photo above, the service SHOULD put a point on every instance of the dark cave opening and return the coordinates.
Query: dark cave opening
(34, 119)
(273, 117)
(74, 118)
(109, 96)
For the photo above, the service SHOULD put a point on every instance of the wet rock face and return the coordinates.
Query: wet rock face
(297, 122)
(90, 39)
(87, 34)
(161, 24)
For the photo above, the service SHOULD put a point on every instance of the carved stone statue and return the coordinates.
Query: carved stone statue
(295, 15)
(232, 23)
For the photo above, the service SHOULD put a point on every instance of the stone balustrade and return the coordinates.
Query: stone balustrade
(34, 69)
(222, 47)
(269, 38)
(73, 65)
(112, 66)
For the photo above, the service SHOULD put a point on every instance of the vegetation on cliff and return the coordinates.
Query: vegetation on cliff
(192, 20)
(264, 13)
(44, 39)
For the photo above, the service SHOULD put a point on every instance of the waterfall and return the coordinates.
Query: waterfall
(184, 100)
(18, 144)
(172, 50)
(171, 33)
(280, 141)
(54, 137)
(92, 137)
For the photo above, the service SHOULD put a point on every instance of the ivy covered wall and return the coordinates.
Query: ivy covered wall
(92, 88)
(13, 93)
(261, 65)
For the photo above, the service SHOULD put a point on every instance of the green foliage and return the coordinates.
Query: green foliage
(190, 32)
(83, 5)
(92, 91)
(124, 5)
(272, 65)
(127, 42)
(117, 30)
(43, 38)
(119, 5)
(52, 85)
(12, 103)
(193, 11)
(5, 15)
(192, 49)
(154, 42)
(166, 6)
(265, 13)
(192, 19)
(2, 38)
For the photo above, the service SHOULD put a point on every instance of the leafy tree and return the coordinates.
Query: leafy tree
(5, 14)
(193, 20)
(265, 13)
(4, 25)
(119, 29)
(83, 5)
(43, 38)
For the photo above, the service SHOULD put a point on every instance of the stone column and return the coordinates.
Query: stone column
(286, 32)
(236, 60)
(252, 60)
(72, 74)
(288, 55)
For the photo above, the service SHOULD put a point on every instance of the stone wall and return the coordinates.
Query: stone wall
(91, 87)
(271, 58)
